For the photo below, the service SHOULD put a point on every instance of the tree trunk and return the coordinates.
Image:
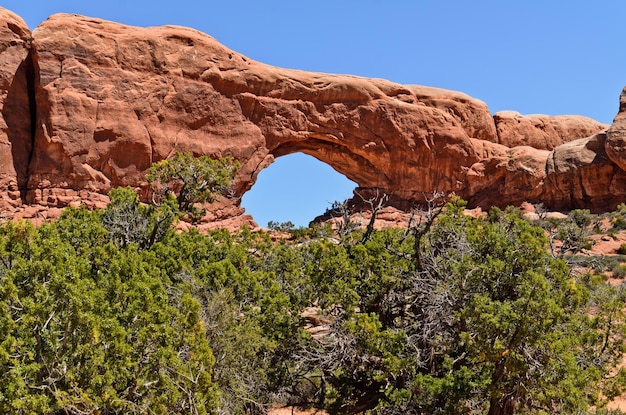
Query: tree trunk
(504, 405)
(501, 403)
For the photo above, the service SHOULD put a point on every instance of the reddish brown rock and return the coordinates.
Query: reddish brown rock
(112, 99)
(473, 114)
(543, 132)
(580, 175)
(507, 176)
(577, 174)
(616, 135)
(15, 110)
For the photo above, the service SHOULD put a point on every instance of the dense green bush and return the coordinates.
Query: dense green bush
(618, 218)
(90, 328)
(619, 271)
(106, 312)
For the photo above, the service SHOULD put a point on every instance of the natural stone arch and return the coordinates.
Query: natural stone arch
(378, 141)
(111, 99)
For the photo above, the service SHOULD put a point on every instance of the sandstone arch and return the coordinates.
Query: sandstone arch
(109, 89)
(111, 99)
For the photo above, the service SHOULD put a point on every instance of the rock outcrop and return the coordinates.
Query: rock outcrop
(89, 105)
(543, 132)
(616, 135)
(16, 78)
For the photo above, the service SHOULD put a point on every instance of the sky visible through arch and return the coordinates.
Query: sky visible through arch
(549, 57)
(295, 188)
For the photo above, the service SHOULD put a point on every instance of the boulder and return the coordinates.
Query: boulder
(580, 174)
(544, 132)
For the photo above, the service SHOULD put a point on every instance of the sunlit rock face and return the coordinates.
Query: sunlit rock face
(543, 132)
(98, 102)
(616, 135)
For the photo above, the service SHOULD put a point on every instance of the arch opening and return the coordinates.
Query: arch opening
(295, 188)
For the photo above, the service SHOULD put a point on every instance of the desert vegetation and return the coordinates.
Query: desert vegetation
(115, 312)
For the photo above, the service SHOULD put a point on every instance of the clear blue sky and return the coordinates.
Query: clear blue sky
(550, 57)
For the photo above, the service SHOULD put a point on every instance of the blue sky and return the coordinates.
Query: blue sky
(549, 57)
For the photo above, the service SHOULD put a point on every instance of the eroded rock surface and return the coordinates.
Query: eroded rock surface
(543, 132)
(15, 111)
(616, 135)
(111, 99)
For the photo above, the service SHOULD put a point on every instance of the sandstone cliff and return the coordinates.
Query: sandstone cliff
(89, 104)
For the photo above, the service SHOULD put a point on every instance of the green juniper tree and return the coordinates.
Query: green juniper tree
(192, 180)
(89, 328)
(102, 316)
(486, 322)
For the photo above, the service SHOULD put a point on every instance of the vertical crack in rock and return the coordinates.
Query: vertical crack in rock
(32, 78)
(20, 113)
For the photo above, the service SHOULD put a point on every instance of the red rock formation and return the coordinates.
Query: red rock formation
(543, 131)
(112, 99)
(15, 110)
(616, 135)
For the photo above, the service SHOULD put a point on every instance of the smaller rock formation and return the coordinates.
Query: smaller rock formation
(616, 135)
(543, 132)
(581, 175)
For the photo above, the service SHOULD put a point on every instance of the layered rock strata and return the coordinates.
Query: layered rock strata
(88, 105)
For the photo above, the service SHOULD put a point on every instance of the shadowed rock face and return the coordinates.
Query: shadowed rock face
(15, 109)
(107, 100)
